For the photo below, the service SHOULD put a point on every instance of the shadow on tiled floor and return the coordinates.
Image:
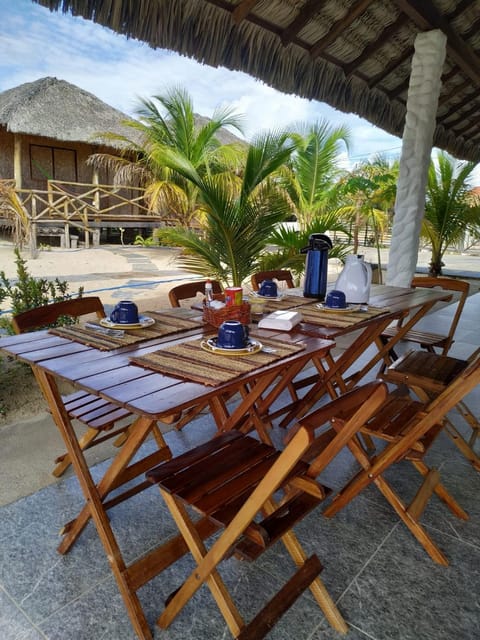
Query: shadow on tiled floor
(385, 584)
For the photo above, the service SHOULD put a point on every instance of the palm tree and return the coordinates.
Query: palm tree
(449, 209)
(239, 215)
(313, 169)
(370, 191)
(168, 121)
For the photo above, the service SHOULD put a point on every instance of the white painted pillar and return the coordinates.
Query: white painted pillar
(420, 121)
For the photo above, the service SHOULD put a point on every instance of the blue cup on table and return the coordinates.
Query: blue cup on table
(125, 312)
(269, 289)
(232, 334)
(336, 300)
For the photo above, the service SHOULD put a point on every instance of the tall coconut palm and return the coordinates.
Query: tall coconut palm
(450, 211)
(313, 169)
(168, 121)
(239, 215)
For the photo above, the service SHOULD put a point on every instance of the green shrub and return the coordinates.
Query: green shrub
(29, 292)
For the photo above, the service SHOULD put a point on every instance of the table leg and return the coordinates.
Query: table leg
(95, 506)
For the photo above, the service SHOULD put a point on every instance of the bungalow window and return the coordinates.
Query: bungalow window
(53, 163)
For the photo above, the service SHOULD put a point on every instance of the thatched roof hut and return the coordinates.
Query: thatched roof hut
(58, 110)
(354, 54)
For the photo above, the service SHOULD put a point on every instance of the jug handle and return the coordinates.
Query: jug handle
(368, 268)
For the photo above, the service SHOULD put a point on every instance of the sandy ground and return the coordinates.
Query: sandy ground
(113, 273)
(101, 270)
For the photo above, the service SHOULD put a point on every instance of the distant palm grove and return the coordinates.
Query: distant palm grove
(230, 199)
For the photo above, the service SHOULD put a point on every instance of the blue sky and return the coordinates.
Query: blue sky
(35, 43)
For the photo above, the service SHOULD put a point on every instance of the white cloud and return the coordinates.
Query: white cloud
(35, 43)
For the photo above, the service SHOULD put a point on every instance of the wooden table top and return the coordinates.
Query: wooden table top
(110, 374)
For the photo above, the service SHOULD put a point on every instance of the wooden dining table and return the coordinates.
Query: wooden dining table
(138, 377)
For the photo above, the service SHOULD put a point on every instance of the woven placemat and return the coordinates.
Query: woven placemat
(285, 302)
(314, 315)
(165, 324)
(189, 361)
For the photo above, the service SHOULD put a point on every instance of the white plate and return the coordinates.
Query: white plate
(143, 321)
(347, 309)
(210, 345)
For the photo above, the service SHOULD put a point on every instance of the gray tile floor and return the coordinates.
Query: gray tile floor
(384, 583)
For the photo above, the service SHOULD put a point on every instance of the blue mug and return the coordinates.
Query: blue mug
(125, 312)
(269, 289)
(232, 334)
(336, 299)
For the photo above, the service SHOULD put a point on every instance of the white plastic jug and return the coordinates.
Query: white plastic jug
(355, 280)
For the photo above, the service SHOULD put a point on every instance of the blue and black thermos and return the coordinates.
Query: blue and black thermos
(316, 268)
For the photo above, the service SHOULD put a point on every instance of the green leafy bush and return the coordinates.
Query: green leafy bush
(28, 292)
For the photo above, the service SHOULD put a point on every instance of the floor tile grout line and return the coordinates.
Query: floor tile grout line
(370, 559)
(32, 624)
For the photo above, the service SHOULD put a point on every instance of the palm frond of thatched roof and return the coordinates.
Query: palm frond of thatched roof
(352, 54)
(59, 110)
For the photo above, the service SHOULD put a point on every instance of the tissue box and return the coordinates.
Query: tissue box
(281, 320)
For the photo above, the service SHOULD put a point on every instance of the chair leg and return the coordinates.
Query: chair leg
(418, 531)
(359, 482)
(440, 491)
(188, 589)
(460, 442)
(317, 587)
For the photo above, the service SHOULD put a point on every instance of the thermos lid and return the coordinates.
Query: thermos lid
(318, 241)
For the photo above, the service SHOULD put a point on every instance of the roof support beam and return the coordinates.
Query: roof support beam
(339, 27)
(459, 105)
(468, 127)
(310, 9)
(382, 39)
(426, 15)
(463, 116)
(242, 10)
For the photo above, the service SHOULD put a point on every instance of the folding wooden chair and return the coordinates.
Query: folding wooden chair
(281, 275)
(97, 414)
(232, 479)
(190, 290)
(428, 375)
(409, 427)
(429, 340)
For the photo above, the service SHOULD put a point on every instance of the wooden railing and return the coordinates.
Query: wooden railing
(85, 207)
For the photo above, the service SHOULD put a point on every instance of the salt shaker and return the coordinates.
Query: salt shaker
(208, 293)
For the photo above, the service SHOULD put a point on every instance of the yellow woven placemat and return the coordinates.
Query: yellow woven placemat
(314, 315)
(165, 324)
(190, 362)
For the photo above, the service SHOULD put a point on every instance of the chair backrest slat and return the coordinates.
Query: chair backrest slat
(447, 284)
(281, 275)
(190, 290)
(48, 314)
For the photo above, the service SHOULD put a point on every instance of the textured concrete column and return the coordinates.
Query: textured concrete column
(422, 102)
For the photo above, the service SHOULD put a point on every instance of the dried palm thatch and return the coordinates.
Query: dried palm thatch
(353, 54)
(59, 110)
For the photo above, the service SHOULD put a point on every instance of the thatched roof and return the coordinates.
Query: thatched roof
(59, 110)
(353, 54)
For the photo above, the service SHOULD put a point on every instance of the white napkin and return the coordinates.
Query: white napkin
(282, 320)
